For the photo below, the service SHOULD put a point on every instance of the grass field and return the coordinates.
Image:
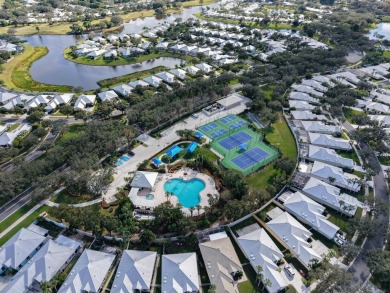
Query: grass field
(120, 61)
(72, 131)
(64, 197)
(106, 83)
(280, 136)
(25, 223)
(230, 155)
(386, 54)
(16, 73)
(350, 155)
(16, 215)
(13, 127)
(350, 113)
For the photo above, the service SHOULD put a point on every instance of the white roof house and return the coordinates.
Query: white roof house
(25, 243)
(85, 101)
(306, 89)
(375, 107)
(42, 267)
(136, 83)
(153, 80)
(143, 179)
(383, 120)
(344, 180)
(329, 156)
(262, 251)
(38, 100)
(58, 100)
(381, 97)
(329, 141)
(179, 73)
(123, 89)
(295, 236)
(204, 67)
(162, 45)
(5, 97)
(179, 273)
(300, 105)
(88, 273)
(107, 96)
(314, 84)
(323, 79)
(319, 127)
(7, 138)
(18, 100)
(345, 75)
(307, 115)
(166, 76)
(192, 70)
(303, 97)
(331, 196)
(134, 272)
(221, 261)
(311, 213)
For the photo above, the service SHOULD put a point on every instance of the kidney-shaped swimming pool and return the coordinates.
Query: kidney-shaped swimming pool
(187, 191)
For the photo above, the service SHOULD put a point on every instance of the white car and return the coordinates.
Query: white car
(195, 115)
(289, 270)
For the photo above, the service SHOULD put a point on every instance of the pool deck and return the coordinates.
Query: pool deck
(138, 197)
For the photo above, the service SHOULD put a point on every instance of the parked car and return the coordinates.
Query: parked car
(195, 116)
(289, 270)
(338, 241)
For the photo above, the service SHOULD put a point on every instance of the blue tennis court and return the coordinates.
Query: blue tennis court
(237, 124)
(208, 127)
(227, 119)
(235, 140)
(218, 133)
(250, 158)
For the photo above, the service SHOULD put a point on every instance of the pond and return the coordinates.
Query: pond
(53, 68)
(383, 29)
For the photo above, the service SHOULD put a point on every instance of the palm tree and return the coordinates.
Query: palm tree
(331, 179)
(198, 208)
(167, 195)
(191, 209)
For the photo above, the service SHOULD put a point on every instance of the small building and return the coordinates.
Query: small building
(335, 176)
(166, 76)
(89, 272)
(303, 97)
(329, 141)
(58, 100)
(307, 115)
(19, 249)
(261, 251)
(295, 236)
(300, 105)
(143, 179)
(319, 127)
(329, 156)
(222, 264)
(85, 101)
(40, 100)
(307, 89)
(231, 101)
(107, 96)
(179, 273)
(206, 68)
(377, 108)
(192, 70)
(309, 212)
(179, 73)
(324, 80)
(135, 271)
(136, 83)
(153, 80)
(314, 84)
(51, 259)
(162, 46)
(5, 97)
(331, 196)
(123, 89)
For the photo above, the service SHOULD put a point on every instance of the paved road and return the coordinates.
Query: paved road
(14, 204)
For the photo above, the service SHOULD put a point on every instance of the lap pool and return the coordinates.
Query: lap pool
(187, 191)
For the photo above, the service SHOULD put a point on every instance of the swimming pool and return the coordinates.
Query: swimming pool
(187, 191)
(124, 158)
(149, 196)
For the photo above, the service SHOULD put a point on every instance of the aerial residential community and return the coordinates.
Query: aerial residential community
(194, 146)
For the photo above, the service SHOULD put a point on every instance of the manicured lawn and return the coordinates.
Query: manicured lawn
(120, 61)
(16, 215)
(64, 197)
(16, 73)
(340, 221)
(349, 155)
(384, 160)
(280, 136)
(72, 131)
(25, 223)
(109, 82)
(386, 54)
(349, 113)
(13, 127)
(262, 178)
(233, 82)
(359, 212)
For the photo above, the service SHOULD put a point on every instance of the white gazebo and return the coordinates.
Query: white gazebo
(144, 179)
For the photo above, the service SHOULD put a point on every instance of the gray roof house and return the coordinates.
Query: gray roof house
(324, 80)
(306, 89)
(107, 96)
(319, 127)
(5, 97)
(262, 251)
(136, 83)
(314, 84)
(331, 196)
(307, 115)
(57, 101)
(166, 76)
(205, 67)
(135, 271)
(303, 97)
(344, 180)
(153, 80)
(89, 272)
(300, 105)
(309, 212)
(85, 101)
(123, 89)
(179, 73)
(329, 156)
(16, 252)
(43, 266)
(329, 141)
